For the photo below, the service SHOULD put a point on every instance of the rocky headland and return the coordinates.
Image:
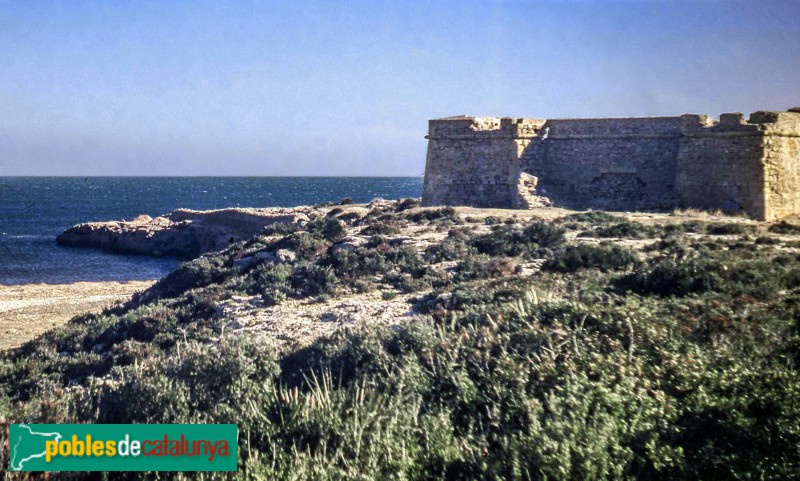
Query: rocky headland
(182, 233)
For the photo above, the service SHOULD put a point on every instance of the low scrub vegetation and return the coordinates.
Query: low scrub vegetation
(625, 229)
(784, 227)
(729, 228)
(606, 257)
(510, 240)
(677, 361)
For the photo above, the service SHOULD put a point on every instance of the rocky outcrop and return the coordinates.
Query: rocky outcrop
(183, 233)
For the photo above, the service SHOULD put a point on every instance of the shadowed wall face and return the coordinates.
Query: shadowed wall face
(651, 164)
(720, 165)
(613, 164)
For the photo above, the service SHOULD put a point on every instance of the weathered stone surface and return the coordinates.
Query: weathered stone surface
(526, 197)
(651, 163)
(183, 233)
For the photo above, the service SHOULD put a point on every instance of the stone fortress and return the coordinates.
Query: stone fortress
(647, 163)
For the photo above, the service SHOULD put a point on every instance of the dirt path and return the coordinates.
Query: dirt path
(31, 309)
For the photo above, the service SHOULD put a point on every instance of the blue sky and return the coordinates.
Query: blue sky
(346, 88)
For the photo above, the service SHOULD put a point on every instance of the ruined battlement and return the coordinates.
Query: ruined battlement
(641, 163)
(763, 121)
(483, 127)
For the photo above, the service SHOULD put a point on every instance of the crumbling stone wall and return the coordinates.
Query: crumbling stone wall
(654, 163)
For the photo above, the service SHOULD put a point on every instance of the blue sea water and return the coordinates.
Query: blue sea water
(34, 210)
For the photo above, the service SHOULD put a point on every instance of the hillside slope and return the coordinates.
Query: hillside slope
(393, 342)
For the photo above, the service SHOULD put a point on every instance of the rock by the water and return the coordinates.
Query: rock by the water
(183, 233)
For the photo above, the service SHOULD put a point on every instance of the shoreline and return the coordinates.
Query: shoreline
(28, 310)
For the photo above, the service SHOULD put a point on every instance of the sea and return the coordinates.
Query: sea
(34, 210)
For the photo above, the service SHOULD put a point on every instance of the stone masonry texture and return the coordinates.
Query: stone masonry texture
(647, 163)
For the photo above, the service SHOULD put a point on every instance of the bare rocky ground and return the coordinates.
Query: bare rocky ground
(29, 310)
(296, 323)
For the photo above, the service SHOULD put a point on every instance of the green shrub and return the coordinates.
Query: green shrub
(671, 278)
(307, 246)
(382, 227)
(756, 277)
(327, 228)
(204, 384)
(767, 240)
(510, 241)
(430, 215)
(690, 226)
(280, 228)
(409, 281)
(188, 275)
(597, 217)
(543, 234)
(465, 298)
(456, 246)
(483, 267)
(355, 263)
(271, 281)
(312, 280)
(784, 227)
(624, 230)
(606, 257)
(405, 204)
(395, 264)
(729, 228)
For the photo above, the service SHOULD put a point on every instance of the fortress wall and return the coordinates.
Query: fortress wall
(473, 161)
(646, 163)
(737, 166)
(782, 166)
(782, 176)
(615, 164)
(468, 172)
(719, 165)
(721, 173)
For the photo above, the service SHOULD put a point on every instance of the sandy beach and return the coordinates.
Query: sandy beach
(31, 309)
